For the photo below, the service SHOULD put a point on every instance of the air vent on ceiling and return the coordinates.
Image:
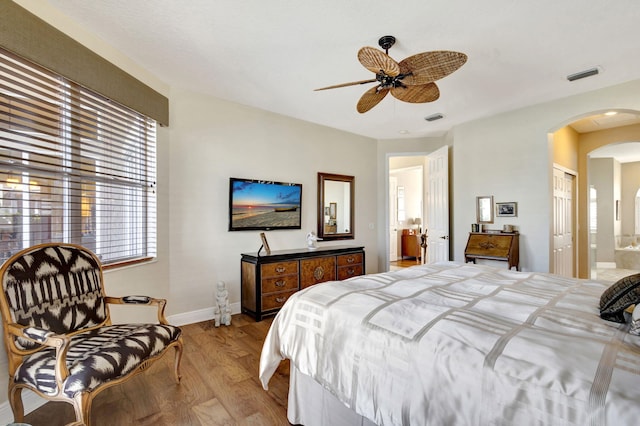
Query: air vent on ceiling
(434, 117)
(583, 74)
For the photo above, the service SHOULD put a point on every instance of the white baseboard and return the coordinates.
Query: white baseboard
(32, 401)
(200, 315)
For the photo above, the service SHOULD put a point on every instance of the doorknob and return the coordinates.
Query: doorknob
(444, 237)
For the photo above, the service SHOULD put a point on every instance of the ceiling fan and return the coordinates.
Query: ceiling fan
(410, 80)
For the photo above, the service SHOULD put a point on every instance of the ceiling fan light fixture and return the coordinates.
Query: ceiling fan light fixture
(583, 74)
(434, 117)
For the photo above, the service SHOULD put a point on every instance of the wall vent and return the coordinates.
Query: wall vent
(583, 74)
(434, 117)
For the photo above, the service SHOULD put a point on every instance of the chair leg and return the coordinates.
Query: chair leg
(82, 407)
(178, 359)
(15, 400)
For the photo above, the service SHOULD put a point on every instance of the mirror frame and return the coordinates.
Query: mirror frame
(322, 178)
(479, 201)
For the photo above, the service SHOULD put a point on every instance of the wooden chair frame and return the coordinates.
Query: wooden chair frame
(61, 342)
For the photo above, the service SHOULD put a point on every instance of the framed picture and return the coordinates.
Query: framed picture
(332, 210)
(265, 244)
(507, 209)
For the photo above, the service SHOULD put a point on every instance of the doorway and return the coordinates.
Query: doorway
(420, 218)
(614, 183)
(611, 138)
(406, 210)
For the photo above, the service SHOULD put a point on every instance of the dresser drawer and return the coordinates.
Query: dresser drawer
(317, 270)
(279, 268)
(275, 300)
(349, 259)
(276, 284)
(345, 272)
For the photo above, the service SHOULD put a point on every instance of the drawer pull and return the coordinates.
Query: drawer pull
(351, 271)
(318, 273)
(351, 260)
(280, 283)
(280, 299)
(280, 269)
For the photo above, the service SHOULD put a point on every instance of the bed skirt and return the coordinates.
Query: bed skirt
(312, 405)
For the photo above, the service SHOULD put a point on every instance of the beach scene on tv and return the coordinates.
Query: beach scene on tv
(265, 205)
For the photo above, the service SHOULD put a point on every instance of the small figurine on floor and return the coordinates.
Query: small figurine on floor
(222, 311)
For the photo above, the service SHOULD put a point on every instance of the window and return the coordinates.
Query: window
(74, 167)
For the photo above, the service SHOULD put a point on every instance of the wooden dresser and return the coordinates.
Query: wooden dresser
(494, 246)
(410, 246)
(267, 281)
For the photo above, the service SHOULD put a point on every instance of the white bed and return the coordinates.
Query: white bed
(455, 344)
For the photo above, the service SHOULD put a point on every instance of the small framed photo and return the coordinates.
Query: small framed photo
(507, 209)
(265, 244)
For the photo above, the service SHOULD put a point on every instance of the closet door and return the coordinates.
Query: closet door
(563, 211)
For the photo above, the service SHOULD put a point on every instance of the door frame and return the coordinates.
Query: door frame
(425, 188)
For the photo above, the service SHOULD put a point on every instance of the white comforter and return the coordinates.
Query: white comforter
(462, 344)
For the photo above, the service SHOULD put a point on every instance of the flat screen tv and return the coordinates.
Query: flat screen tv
(264, 205)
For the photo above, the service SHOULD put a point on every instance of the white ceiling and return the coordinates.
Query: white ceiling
(273, 54)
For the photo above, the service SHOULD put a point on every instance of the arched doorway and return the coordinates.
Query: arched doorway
(614, 173)
(599, 136)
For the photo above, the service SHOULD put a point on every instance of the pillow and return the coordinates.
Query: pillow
(635, 321)
(624, 293)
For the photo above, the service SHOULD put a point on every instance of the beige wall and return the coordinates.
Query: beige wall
(565, 148)
(510, 156)
(212, 140)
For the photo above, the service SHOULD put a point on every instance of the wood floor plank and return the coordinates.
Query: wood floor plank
(219, 386)
(212, 413)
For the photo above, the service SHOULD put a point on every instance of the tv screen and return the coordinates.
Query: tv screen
(264, 205)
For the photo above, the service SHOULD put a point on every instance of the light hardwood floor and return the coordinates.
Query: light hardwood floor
(219, 385)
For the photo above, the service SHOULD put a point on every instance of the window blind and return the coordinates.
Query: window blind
(74, 167)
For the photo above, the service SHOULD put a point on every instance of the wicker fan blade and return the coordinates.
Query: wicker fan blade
(353, 83)
(417, 94)
(371, 98)
(430, 66)
(375, 60)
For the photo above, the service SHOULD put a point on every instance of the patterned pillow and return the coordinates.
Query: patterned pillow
(624, 293)
(635, 321)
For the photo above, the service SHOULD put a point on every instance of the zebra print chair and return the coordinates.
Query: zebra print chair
(58, 334)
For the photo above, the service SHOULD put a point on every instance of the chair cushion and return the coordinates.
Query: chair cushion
(97, 356)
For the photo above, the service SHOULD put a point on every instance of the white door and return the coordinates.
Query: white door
(437, 206)
(563, 184)
(393, 218)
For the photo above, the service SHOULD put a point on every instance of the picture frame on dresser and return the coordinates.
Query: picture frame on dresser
(507, 209)
(265, 243)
